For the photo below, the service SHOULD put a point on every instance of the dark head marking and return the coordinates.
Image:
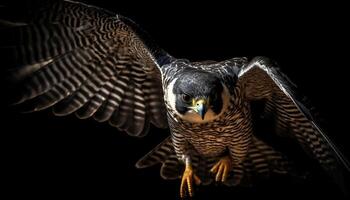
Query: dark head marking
(194, 84)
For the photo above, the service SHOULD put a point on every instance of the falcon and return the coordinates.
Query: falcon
(85, 60)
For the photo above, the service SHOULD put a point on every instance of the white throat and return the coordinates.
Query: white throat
(192, 116)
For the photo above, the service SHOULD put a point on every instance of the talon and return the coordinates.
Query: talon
(187, 180)
(222, 168)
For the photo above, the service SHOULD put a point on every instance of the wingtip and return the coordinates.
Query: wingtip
(139, 134)
(9, 24)
(140, 165)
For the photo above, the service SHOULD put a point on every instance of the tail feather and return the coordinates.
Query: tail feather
(171, 168)
(261, 161)
(159, 154)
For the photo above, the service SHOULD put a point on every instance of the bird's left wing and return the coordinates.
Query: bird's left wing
(262, 80)
(85, 60)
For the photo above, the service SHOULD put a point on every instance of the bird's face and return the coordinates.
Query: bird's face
(198, 96)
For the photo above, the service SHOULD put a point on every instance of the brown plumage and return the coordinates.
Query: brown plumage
(85, 60)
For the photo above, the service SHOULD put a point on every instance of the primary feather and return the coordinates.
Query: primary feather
(85, 60)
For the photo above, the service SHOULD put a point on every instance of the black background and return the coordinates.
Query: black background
(47, 156)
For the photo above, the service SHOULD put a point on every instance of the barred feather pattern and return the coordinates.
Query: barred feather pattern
(232, 132)
(85, 60)
(81, 59)
(261, 161)
(229, 134)
(263, 80)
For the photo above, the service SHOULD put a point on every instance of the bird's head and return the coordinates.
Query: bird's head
(198, 96)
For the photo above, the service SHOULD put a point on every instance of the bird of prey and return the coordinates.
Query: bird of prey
(96, 64)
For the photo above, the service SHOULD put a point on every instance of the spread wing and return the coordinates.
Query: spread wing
(262, 80)
(85, 60)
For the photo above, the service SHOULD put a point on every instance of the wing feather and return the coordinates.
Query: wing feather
(96, 101)
(262, 80)
(112, 104)
(85, 60)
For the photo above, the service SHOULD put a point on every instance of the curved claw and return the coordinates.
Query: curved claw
(222, 169)
(187, 182)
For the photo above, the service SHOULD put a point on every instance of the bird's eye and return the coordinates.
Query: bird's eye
(215, 97)
(186, 98)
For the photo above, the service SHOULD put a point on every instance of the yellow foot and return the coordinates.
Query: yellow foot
(187, 180)
(222, 168)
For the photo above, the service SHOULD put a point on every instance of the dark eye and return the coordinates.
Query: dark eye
(186, 98)
(215, 97)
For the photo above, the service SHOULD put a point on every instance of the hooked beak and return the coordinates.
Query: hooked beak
(200, 106)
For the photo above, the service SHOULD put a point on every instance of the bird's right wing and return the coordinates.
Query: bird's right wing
(85, 60)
